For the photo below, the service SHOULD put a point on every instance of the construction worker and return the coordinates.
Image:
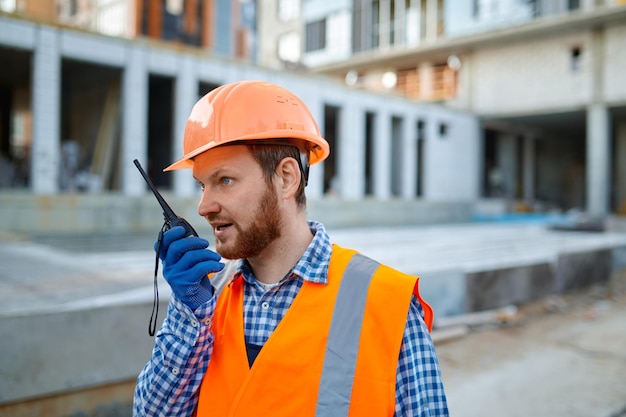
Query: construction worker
(294, 325)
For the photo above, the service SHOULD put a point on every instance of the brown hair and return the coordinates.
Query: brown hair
(269, 156)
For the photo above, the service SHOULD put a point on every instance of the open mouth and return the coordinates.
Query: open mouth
(223, 227)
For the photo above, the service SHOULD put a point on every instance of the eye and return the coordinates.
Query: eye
(227, 181)
(200, 185)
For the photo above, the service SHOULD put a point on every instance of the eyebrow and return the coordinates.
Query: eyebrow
(221, 171)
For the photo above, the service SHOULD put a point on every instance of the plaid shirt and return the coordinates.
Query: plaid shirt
(169, 383)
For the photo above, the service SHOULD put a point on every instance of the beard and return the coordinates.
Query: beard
(250, 241)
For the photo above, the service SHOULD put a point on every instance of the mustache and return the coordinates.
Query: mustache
(211, 218)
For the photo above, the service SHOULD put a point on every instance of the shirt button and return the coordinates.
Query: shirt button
(265, 305)
(207, 321)
(175, 371)
(194, 323)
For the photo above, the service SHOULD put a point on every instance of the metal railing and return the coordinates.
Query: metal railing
(109, 17)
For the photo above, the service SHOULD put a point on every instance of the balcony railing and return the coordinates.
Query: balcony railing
(109, 17)
(435, 83)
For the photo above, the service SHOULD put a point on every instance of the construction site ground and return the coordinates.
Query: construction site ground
(561, 355)
(556, 357)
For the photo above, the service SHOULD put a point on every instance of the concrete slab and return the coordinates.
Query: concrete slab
(36, 277)
(74, 348)
(444, 291)
(577, 270)
(498, 287)
(67, 302)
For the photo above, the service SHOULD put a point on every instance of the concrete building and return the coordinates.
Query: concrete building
(78, 107)
(545, 78)
(279, 27)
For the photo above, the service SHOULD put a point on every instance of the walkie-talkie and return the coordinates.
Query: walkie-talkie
(171, 220)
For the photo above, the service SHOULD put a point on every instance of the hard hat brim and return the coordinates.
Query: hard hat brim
(317, 152)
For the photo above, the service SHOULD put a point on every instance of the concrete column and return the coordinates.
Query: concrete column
(315, 187)
(429, 168)
(185, 96)
(351, 140)
(507, 163)
(46, 145)
(134, 128)
(382, 156)
(309, 93)
(413, 24)
(620, 158)
(399, 25)
(425, 74)
(528, 168)
(598, 159)
(384, 24)
(432, 13)
(409, 162)
(465, 83)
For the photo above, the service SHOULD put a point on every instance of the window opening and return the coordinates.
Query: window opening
(316, 35)
(575, 58)
(397, 142)
(331, 133)
(420, 148)
(370, 123)
(443, 130)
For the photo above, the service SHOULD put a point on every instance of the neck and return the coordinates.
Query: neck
(281, 255)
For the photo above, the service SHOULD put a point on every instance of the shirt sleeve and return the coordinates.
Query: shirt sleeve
(170, 382)
(419, 388)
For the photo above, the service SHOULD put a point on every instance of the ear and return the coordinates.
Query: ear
(289, 176)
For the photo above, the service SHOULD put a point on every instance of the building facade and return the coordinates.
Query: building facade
(543, 77)
(79, 107)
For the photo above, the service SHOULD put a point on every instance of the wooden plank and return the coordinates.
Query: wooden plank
(107, 137)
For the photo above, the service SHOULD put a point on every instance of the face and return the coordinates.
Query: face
(241, 207)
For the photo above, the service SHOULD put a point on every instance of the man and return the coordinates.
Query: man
(295, 326)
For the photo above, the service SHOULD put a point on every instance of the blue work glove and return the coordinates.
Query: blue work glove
(186, 263)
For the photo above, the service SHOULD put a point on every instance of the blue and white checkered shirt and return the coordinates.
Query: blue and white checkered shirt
(170, 382)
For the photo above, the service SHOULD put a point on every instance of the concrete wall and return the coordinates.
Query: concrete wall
(454, 292)
(86, 213)
(531, 75)
(270, 26)
(60, 351)
(452, 159)
(615, 62)
(540, 74)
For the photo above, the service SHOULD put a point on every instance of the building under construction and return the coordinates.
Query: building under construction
(545, 77)
(78, 107)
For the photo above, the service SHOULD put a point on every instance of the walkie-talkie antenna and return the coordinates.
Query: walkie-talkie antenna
(168, 213)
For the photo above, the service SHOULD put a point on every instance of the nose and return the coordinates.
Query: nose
(208, 204)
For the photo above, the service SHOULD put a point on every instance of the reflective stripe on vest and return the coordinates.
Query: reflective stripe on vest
(343, 338)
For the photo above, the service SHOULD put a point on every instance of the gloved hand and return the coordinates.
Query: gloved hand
(186, 263)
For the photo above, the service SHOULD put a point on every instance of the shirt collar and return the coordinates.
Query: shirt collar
(312, 265)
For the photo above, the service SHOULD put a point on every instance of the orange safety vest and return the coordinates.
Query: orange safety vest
(334, 353)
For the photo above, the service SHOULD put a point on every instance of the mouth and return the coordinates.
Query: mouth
(219, 228)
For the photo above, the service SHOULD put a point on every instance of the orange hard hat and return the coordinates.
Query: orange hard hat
(250, 112)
